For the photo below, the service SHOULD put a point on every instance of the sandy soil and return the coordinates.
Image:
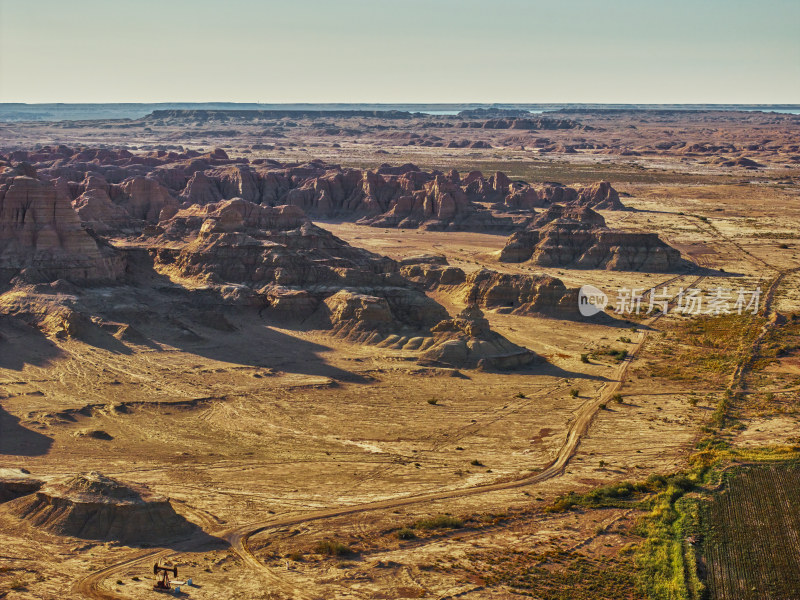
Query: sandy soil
(273, 439)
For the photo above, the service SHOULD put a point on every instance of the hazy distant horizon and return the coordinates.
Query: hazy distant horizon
(437, 51)
(61, 111)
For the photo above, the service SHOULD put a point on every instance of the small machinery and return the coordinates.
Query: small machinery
(162, 576)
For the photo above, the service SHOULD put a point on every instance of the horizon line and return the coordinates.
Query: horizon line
(415, 103)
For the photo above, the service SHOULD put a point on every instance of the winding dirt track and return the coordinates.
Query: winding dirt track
(238, 537)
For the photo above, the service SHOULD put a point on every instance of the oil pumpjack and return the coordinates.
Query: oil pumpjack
(162, 581)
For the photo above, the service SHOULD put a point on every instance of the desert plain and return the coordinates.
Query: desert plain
(299, 354)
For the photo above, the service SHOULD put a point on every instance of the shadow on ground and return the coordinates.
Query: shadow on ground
(17, 440)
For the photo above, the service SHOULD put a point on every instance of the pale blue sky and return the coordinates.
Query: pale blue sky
(724, 51)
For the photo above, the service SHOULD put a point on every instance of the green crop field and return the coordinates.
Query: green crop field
(751, 535)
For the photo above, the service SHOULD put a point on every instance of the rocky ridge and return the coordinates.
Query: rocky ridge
(577, 237)
(118, 191)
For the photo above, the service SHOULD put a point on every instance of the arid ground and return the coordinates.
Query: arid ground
(313, 460)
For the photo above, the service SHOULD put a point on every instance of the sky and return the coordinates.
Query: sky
(400, 51)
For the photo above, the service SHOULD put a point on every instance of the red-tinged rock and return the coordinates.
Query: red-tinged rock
(41, 232)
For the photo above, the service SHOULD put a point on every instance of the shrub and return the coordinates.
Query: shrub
(603, 406)
(476, 463)
(440, 522)
(432, 401)
(406, 533)
(617, 398)
(574, 393)
(585, 358)
(519, 395)
(332, 548)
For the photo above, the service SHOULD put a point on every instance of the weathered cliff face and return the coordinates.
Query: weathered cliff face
(242, 243)
(276, 259)
(229, 216)
(570, 243)
(600, 196)
(520, 245)
(466, 341)
(518, 293)
(143, 198)
(42, 234)
(431, 276)
(386, 316)
(440, 205)
(127, 206)
(117, 191)
(540, 295)
(92, 506)
(522, 196)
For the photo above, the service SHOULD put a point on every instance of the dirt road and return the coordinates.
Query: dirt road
(238, 537)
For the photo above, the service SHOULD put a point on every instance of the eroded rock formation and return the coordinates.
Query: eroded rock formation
(41, 234)
(466, 341)
(518, 293)
(93, 506)
(118, 191)
(576, 237)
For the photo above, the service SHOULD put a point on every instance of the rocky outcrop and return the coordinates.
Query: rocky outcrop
(522, 196)
(229, 216)
(431, 276)
(441, 205)
(242, 243)
(467, 342)
(518, 293)
(600, 196)
(143, 198)
(384, 316)
(529, 124)
(118, 191)
(96, 210)
(276, 259)
(124, 207)
(359, 316)
(93, 506)
(567, 242)
(539, 295)
(42, 234)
